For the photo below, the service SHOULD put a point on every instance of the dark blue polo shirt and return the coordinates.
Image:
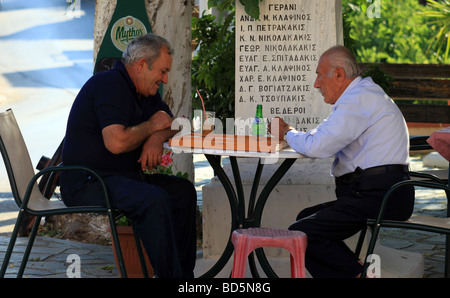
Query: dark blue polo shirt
(107, 98)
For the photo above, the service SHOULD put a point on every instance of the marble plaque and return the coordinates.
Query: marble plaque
(276, 60)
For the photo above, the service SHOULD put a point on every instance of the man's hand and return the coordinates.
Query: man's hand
(279, 128)
(152, 150)
(151, 155)
(160, 120)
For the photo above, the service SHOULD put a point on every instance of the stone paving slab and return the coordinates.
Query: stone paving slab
(430, 244)
(52, 258)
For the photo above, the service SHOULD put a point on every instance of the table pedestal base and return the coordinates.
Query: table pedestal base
(307, 183)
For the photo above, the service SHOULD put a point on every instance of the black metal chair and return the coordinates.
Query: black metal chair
(439, 225)
(31, 201)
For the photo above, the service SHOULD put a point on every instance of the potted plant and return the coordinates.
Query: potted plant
(129, 251)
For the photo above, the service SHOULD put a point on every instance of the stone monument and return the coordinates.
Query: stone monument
(276, 60)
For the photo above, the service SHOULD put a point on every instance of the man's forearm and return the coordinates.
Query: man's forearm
(119, 139)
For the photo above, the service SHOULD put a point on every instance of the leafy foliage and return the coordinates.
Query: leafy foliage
(400, 35)
(440, 15)
(123, 221)
(251, 7)
(213, 67)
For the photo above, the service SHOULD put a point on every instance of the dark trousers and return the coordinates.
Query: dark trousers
(327, 225)
(163, 208)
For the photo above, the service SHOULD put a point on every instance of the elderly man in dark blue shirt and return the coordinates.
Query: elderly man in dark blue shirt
(117, 126)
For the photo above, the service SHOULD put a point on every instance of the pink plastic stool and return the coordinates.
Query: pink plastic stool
(247, 240)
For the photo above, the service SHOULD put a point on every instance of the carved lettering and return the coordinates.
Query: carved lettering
(276, 60)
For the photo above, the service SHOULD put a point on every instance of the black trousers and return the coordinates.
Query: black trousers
(163, 208)
(327, 225)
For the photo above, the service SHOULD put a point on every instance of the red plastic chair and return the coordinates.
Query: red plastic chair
(247, 240)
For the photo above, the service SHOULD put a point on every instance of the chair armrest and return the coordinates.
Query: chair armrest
(427, 176)
(419, 143)
(61, 168)
(426, 184)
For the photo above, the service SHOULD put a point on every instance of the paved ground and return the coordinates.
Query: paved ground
(432, 203)
(47, 55)
(55, 258)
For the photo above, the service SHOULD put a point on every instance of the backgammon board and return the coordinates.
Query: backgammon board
(228, 142)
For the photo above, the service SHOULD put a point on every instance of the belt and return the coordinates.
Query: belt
(379, 170)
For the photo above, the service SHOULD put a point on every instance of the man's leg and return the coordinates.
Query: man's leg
(150, 207)
(164, 215)
(326, 253)
(327, 225)
(184, 202)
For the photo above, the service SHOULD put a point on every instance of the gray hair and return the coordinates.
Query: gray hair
(147, 46)
(340, 56)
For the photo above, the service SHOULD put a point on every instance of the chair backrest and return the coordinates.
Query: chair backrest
(16, 157)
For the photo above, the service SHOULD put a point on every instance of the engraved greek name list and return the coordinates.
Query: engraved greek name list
(277, 56)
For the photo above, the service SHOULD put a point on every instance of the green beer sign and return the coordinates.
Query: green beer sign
(125, 30)
(129, 21)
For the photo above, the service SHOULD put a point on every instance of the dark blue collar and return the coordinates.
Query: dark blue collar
(119, 66)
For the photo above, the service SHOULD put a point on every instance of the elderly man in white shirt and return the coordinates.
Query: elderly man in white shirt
(367, 134)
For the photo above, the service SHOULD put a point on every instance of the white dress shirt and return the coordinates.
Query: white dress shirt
(365, 129)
